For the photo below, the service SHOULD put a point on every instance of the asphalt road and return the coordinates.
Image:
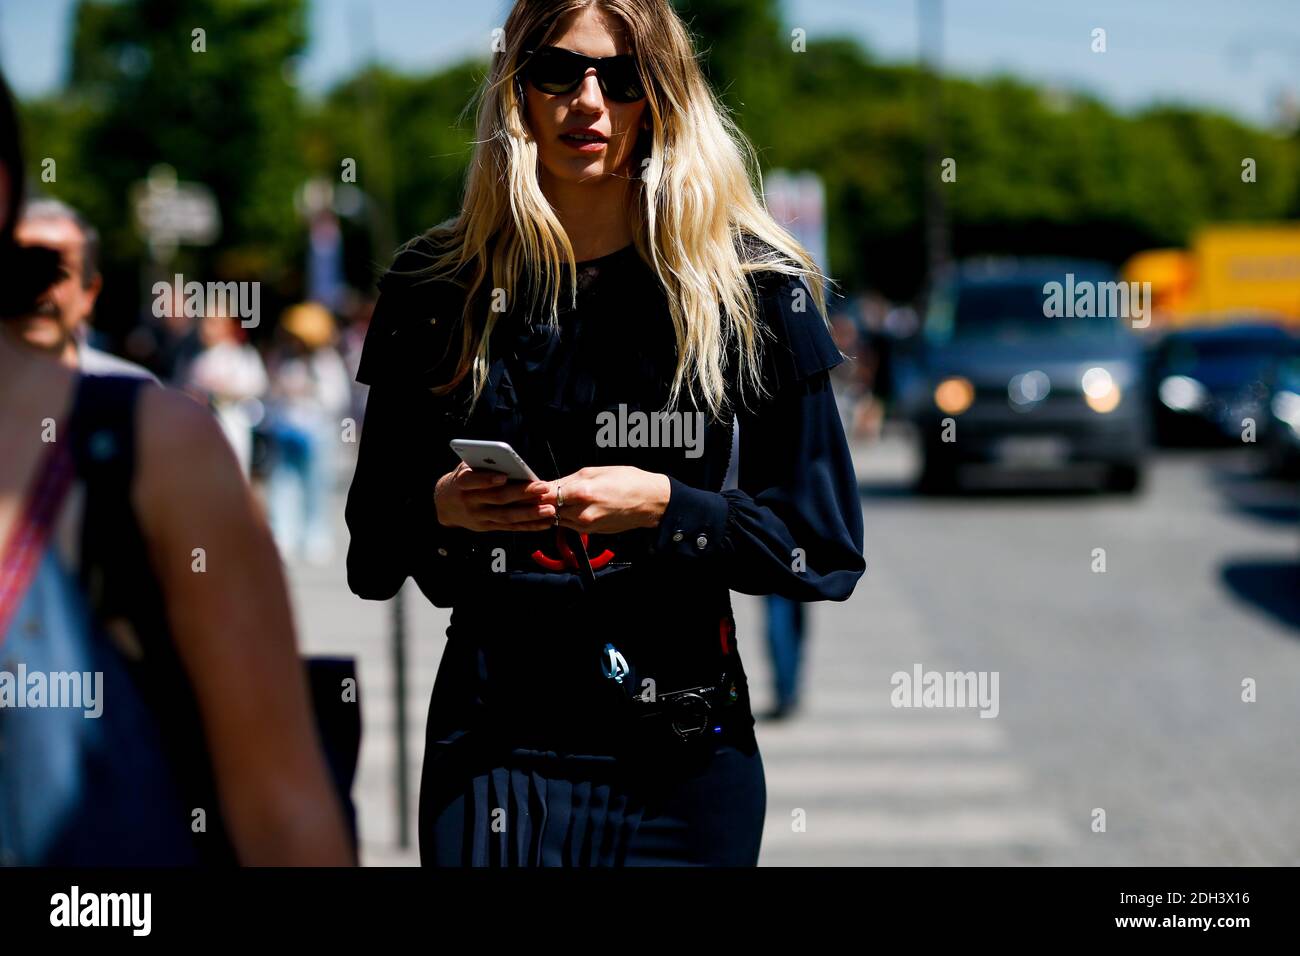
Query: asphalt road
(1118, 691)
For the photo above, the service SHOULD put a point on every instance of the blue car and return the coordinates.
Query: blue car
(1031, 365)
(1281, 434)
(1207, 382)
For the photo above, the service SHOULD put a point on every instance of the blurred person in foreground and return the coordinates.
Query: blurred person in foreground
(152, 716)
(310, 394)
(59, 323)
(610, 262)
(228, 374)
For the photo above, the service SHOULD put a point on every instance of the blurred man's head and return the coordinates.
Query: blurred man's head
(58, 321)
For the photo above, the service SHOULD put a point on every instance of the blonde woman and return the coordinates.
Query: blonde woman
(615, 303)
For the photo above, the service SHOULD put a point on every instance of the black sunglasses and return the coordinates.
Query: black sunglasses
(554, 70)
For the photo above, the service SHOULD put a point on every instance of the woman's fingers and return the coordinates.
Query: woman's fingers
(576, 491)
(470, 480)
(515, 513)
(506, 494)
(518, 526)
(579, 519)
(547, 493)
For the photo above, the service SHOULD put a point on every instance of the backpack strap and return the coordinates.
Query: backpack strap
(104, 446)
(25, 546)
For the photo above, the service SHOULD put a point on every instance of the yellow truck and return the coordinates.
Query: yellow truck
(1229, 273)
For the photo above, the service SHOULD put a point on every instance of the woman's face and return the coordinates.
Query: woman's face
(553, 118)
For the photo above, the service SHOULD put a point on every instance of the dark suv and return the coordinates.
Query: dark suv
(1017, 375)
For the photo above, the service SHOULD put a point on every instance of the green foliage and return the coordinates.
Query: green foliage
(226, 117)
(1037, 170)
(743, 50)
(411, 138)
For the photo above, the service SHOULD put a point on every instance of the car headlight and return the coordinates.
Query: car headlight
(1028, 389)
(1100, 390)
(1181, 393)
(1286, 406)
(954, 395)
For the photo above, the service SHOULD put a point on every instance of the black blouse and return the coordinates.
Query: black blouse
(792, 525)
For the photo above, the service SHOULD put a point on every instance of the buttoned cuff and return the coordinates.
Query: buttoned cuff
(693, 523)
(436, 540)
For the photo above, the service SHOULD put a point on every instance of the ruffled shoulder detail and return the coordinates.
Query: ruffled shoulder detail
(411, 338)
(798, 343)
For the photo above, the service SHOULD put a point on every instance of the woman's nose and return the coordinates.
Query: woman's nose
(589, 94)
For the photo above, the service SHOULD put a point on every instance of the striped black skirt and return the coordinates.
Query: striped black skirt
(529, 807)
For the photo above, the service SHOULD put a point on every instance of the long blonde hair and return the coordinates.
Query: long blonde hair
(694, 211)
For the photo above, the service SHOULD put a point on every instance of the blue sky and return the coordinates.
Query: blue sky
(1237, 55)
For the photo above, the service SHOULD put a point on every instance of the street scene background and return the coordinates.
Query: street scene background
(1142, 615)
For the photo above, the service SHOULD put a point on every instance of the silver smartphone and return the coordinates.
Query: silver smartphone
(495, 456)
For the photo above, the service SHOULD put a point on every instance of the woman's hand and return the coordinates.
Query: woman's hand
(487, 501)
(609, 499)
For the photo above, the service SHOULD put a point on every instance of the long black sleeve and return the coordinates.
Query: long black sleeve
(793, 527)
(390, 513)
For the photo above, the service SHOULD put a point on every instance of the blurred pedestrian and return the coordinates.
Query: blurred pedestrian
(166, 343)
(351, 345)
(786, 621)
(310, 394)
(154, 714)
(59, 323)
(874, 379)
(228, 374)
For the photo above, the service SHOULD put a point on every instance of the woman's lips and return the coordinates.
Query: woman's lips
(584, 143)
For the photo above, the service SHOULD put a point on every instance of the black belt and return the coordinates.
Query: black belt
(692, 712)
(683, 698)
(683, 723)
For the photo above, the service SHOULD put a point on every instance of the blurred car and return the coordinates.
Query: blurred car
(1206, 382)
(1281, 433)
(1007, 381)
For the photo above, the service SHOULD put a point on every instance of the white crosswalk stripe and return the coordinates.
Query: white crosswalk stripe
(955, 828)
(854, 780)
(792, 780)
(867, 736)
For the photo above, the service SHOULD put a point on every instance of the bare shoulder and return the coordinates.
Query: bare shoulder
(171, 420)
(181, 453)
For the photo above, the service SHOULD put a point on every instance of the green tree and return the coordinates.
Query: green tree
(219, 106)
